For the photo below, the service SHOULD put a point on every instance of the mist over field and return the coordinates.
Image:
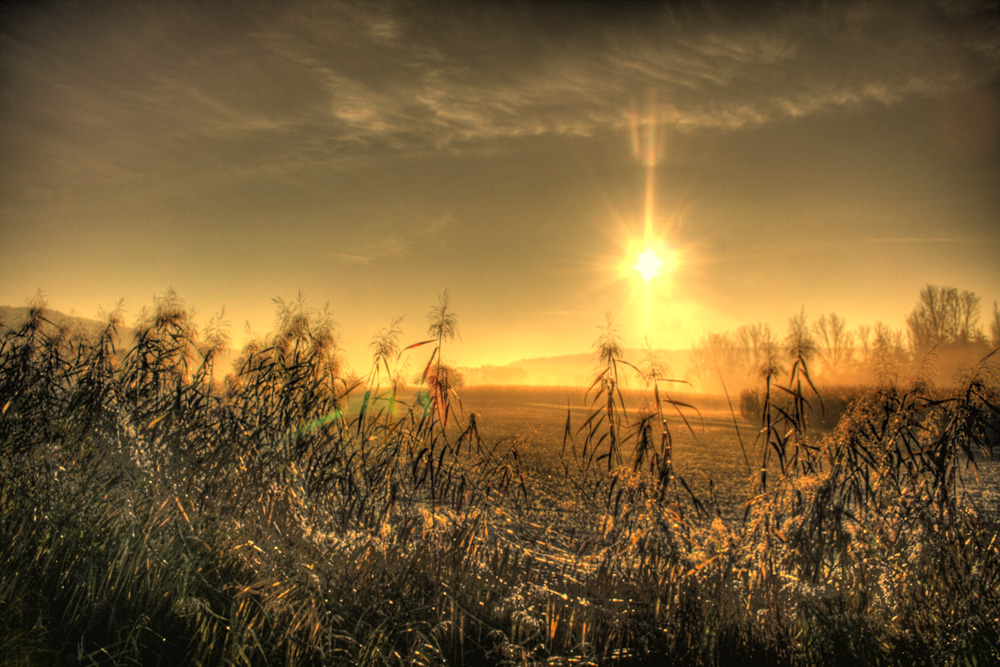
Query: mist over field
(161, 509)
(500, 333)
(946, 334)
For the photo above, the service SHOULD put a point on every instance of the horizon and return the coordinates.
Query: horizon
(523, 157)
(695, 370)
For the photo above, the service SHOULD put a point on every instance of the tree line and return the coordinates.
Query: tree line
(943, 333)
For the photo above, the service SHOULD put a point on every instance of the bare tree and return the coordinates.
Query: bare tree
(888, 354)
(755, 346)
(715, 354)
(863, 337)
(967, 316)
(450, 378)
(836, 343)
(944, 316)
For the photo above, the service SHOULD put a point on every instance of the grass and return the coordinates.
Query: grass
(154, 513)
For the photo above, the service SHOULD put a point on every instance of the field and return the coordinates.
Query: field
(707, 438)
(154, 513)
(535, 418)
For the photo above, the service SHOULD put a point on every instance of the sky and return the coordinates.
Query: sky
(778, 157)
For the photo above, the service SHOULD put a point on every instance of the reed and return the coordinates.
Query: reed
(153, 513)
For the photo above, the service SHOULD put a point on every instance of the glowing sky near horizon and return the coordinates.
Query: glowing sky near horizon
(825, 156)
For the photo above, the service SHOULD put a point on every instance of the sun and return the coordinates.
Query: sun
(648, 264)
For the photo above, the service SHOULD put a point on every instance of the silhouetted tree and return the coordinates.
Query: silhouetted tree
(864, 349)
(715, 354)
(835, 343)
(887, 352)
(451, 378)
(944, 316)
(756, 344)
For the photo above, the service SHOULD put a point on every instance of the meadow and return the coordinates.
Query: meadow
(157, 511)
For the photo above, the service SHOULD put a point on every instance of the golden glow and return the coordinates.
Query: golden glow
(651, 259)
(651, 254)
(648, 265)
(646, 245)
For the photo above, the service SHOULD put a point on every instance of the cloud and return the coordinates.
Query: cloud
(396, 244)
(389, 246)
(354, 259)
(466, 77)
(437, 225)
(125, 93)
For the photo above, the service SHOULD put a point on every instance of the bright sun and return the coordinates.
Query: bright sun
(648, 264)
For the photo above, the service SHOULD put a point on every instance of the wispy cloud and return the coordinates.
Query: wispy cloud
(396, 244)
(353, 259)
(461, 82)
(386, 247)
(127, 92)
(436, 225)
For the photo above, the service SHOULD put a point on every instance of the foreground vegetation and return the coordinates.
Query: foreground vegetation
(153, 513)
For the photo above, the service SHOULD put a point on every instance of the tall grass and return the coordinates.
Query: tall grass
(155, 513)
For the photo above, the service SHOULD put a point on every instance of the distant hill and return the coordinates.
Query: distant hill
(15, 316)
(566, 369)
(562, 370)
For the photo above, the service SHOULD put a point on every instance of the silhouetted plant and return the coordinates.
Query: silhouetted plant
(442, 327)
(151, 515)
